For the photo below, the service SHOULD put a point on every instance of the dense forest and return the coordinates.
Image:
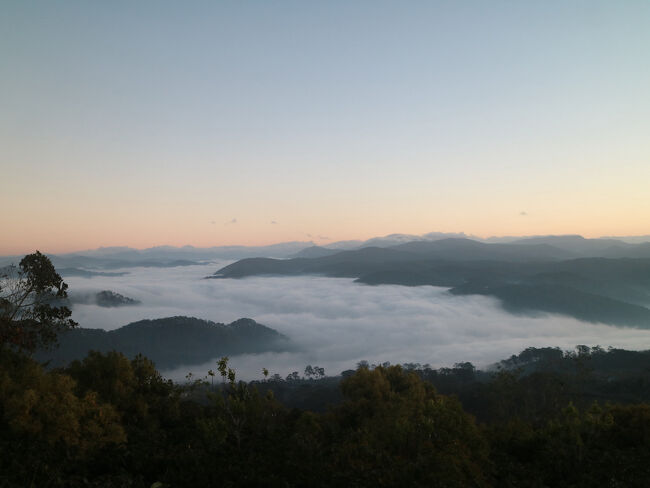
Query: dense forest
(546, 418)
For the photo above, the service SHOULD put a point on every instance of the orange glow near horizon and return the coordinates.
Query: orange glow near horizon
(64, 242)
(531, 119)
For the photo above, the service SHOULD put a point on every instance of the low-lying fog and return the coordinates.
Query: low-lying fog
(336, 323)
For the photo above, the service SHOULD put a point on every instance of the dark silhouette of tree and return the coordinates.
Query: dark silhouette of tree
(32, 304)
(309, 371)
(314, 372)
(294, 376)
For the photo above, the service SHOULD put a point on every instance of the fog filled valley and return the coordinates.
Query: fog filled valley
(335, 322)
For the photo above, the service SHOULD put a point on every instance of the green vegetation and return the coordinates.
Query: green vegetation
(109, 421)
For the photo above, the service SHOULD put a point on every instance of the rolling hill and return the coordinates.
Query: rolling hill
(169, 342)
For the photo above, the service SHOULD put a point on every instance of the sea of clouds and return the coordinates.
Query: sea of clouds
(336, 323)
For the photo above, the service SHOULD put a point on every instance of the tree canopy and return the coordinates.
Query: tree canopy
(32, 312)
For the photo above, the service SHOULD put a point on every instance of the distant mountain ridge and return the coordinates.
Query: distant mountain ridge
(170, 342)
(82, 263)
(315, 252)
(527, 277)
(352, 263)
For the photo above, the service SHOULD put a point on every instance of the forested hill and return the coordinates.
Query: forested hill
(169, 342)
(524, 277)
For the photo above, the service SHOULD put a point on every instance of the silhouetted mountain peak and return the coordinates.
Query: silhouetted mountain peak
(315, 252)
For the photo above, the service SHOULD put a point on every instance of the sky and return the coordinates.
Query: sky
(335, 323)
(249, 122)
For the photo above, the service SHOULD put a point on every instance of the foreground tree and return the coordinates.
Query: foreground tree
(32, 304)
(393, 429)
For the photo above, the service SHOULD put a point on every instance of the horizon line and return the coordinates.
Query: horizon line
(452, 235)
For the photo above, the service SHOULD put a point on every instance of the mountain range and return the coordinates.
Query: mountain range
(104, 260)
(609, 284)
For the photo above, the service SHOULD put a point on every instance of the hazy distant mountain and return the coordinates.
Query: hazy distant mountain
(345, 245)
(84, 273)
(169, 342)
(629, 239)
(396, 239)
(538, 248)
(469, 250)
(189, 253)
(315, 252)
(579, 246)
(633, 251)
(78, 263)
(576, 245)
(353, 263)
(529, 276)
(86, 263)
(74, 264)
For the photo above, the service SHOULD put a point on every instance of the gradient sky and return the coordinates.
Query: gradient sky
(147, 123)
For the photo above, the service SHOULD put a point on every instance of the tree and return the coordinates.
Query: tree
(315, 372)
(309, 371)
(394, 429)
(32, 304)
(293, 376)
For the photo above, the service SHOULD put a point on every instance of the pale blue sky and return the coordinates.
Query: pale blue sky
(140, 123)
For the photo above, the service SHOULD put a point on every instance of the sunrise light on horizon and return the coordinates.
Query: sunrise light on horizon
(221, 123)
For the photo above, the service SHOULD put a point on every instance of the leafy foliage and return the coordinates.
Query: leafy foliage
(31, 314)
(110, 421)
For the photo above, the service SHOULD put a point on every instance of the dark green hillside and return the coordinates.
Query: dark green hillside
(170, 342)
(342, 264)
(522, 298)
